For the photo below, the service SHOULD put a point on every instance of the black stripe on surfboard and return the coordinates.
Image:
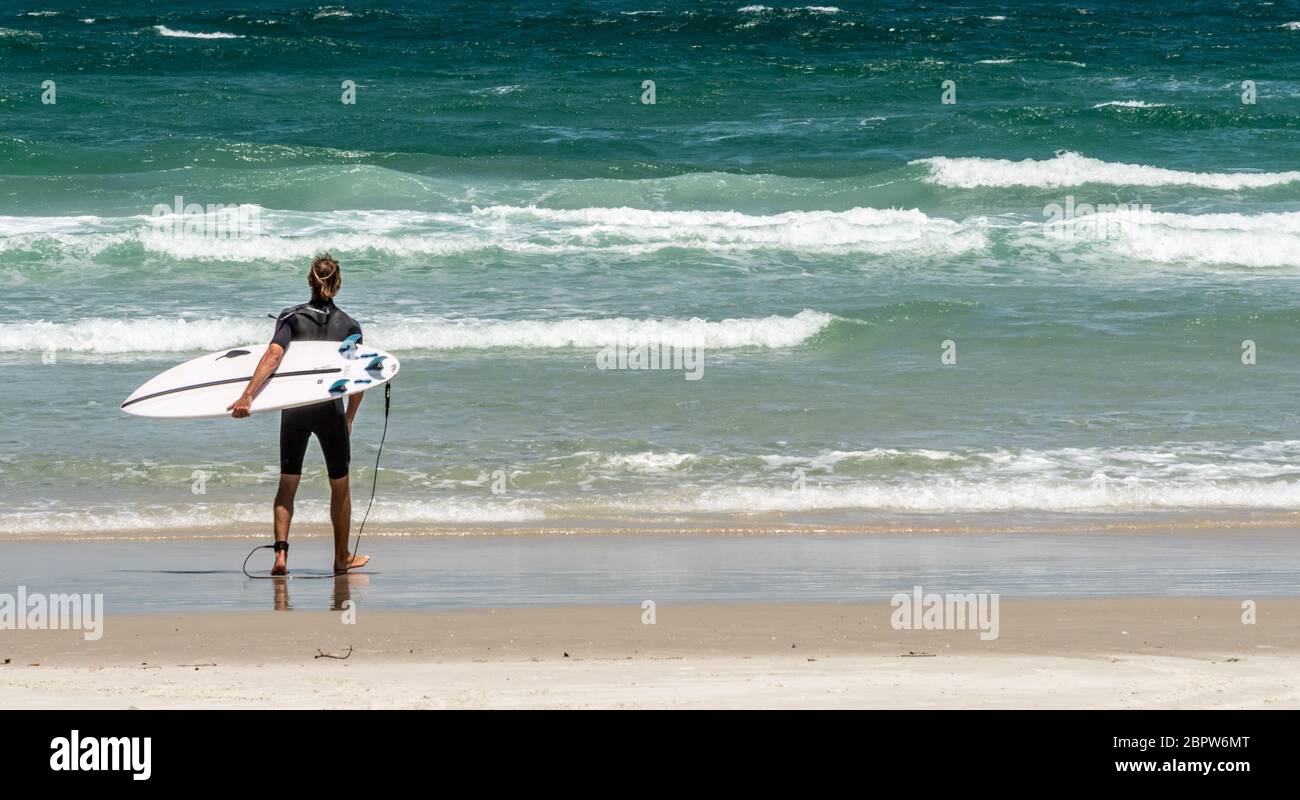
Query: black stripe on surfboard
(245, 379)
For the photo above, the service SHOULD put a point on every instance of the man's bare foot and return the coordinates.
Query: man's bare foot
(350, 562)
(281, 564)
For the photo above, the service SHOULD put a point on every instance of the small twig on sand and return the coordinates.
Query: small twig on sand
(322, 654)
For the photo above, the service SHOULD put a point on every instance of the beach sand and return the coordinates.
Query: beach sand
(1078, 653)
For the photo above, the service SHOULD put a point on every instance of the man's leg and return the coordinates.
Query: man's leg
(336, 445)
(341, 517)
(283, 517)
(293, 446)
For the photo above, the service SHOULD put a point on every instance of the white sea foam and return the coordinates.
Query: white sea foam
(996, 61)
(517, 229)
(1174, 462)
(650, 463)
(1276, 222)
(1248, 240)
(161, 335)
(930, 496)
(11, 227)
(1177, 476)
(165, 31)
(1129, 104)
(127, 519)
(1252, 240)
(1203, 475)
(868, 230)
(1073, 169)
(1242, 248)
(756, 9)
(1291, 26)
(116, 336)
(827, 461)
(993, 496)
(769, 332)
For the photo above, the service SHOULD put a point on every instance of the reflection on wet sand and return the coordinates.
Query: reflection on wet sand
(342, 591)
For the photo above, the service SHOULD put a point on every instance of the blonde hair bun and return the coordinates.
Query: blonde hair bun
(324, 278)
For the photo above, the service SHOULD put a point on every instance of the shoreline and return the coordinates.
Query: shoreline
(1113, 652)
(1173, 523)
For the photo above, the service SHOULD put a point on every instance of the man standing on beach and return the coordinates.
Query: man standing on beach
(321, 321)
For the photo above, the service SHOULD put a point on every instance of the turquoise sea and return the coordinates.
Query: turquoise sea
(892, 335)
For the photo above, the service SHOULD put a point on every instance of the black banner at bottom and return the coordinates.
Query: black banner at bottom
(332, 749)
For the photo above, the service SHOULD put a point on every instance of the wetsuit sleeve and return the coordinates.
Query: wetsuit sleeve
(284, 330)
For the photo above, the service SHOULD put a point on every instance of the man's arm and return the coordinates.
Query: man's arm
(354, 402)
(265, 369)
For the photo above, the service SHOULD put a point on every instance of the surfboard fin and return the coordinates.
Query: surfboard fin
(339, 385)
(376, 363)
(349, 345)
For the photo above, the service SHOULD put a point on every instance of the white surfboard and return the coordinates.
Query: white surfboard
(310, 372)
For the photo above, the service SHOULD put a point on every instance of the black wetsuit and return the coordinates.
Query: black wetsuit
(316, 321)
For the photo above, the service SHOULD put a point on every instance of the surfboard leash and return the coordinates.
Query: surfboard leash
(374, 483)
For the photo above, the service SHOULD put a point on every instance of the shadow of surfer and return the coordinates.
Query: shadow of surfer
(317, 320)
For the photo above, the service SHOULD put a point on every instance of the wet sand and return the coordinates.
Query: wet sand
(435, 572)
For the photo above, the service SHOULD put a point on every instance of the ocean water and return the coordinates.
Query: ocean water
(798, 202)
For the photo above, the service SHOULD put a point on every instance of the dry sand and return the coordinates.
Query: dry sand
(1091, 653)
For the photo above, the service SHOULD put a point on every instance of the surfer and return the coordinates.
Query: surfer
(321, 321)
